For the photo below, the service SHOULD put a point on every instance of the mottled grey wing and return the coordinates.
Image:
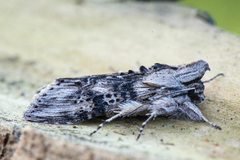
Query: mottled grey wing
(72, 100)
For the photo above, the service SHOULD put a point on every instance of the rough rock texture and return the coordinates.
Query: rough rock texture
(41, 40)
(8, 140)
(36, 145)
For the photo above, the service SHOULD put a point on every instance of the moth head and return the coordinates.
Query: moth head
(197, 96)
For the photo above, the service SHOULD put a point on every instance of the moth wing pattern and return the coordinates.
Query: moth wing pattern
(161, 90)
(72, 100)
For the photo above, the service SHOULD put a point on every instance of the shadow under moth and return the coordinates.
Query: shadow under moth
(161, 90)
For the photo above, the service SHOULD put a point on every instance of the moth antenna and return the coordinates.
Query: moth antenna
(220, 74)
(212, 124)
(106, 121)
(143, 125)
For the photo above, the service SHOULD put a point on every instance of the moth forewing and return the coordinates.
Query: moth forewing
(161, 90)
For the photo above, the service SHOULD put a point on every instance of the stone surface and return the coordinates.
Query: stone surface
(36, 145)
(41, 40)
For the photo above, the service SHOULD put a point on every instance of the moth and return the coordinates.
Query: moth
(161, 90)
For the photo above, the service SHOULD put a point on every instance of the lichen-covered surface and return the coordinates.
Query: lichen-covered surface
(41, 40)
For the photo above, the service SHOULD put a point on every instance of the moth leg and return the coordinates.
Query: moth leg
(194, 113)
(212, 124)
(163, 106)
(144, 124)
(125, 110)
(108, 120)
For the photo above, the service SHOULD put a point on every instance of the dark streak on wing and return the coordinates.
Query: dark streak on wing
(72, 100)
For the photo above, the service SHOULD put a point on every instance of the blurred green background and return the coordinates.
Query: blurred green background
(226, 13)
